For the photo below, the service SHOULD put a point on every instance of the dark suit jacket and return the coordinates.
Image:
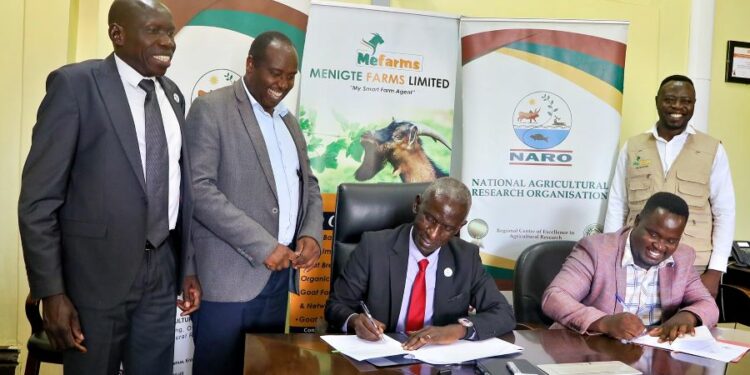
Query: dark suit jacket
(376, 274)
(82, 210)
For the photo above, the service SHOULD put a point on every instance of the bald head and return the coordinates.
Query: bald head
(142, 34)
(124, 11)
(440, 213)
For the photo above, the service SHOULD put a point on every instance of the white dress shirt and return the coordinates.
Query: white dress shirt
(412, 269)
(136, 99)
(284, 163)
(721, 194)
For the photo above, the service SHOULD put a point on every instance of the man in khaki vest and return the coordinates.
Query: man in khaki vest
(676, 158)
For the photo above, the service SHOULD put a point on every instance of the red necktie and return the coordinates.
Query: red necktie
(415, 316)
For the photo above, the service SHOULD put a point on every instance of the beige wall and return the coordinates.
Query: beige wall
(729, 115)
(41, 35)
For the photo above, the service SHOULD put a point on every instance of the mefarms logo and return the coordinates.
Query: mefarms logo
(386, 60)
(542, 120)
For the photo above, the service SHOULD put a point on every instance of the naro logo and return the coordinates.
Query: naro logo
(212, 80)
(542, 120)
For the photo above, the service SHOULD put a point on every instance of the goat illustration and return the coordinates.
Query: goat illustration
(399, 144)
(374, 41)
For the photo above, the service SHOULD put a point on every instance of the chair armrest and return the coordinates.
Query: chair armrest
(33, 315)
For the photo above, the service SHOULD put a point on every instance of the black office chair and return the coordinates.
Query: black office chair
(40, 349)
(535, 269)
(368, 207)
(735, 303)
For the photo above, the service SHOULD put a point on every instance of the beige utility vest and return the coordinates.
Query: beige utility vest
(687, 177)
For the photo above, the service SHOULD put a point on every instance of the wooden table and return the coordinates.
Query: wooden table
(307, 354)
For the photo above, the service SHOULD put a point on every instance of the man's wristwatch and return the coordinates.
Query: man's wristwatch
(469, 325)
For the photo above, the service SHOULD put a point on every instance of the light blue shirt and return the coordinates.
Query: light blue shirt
(429, 279)
(284, 163)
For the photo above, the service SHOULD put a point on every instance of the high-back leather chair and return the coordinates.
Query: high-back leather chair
(735, 303)
(368, 207)
(535, 269)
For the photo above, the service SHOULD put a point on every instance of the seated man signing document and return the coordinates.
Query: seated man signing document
(620, 283)
(420, 279)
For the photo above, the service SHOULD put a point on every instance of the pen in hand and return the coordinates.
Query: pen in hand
(370, 318)
(620, 301)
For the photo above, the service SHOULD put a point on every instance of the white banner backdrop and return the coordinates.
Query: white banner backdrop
(376, 105)
(541, 121)
(366, 68)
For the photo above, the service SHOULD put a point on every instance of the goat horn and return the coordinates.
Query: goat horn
(429, 132)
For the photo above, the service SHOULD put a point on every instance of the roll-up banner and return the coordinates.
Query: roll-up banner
(213, 39)
(541, 121)
(376, 105)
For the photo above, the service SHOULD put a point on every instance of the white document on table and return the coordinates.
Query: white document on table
(589, 368)
(359, 349)
(457, 352)
(462, 351)
(702, 344)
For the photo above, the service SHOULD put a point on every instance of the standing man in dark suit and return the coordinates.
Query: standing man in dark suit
(421, 279)
(257, 205)
(106, 202)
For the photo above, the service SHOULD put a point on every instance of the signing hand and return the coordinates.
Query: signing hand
(360, 324)
(434, 335)
(623, 326)
(307, 253)
(279, 258)
(191, 295)
(61, 323)
(677, 326)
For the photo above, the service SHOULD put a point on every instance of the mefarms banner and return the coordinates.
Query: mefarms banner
(541, 113)
(376, 105)
(213, 40)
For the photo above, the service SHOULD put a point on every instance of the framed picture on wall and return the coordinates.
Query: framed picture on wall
(738, 62)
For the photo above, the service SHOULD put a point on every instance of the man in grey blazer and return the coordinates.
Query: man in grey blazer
(257, 205)
(106, 202)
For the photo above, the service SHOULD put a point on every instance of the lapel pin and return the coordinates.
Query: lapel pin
(448, 272)
(176, 97)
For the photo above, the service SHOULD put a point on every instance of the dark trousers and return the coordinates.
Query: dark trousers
(219, 327)
(139, 332)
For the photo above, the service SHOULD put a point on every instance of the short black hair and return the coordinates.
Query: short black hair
(676, 78)
(261, 42)
(668, 201)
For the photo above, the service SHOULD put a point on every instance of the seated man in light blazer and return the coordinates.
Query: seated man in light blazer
(620, 283)
(421, 279)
